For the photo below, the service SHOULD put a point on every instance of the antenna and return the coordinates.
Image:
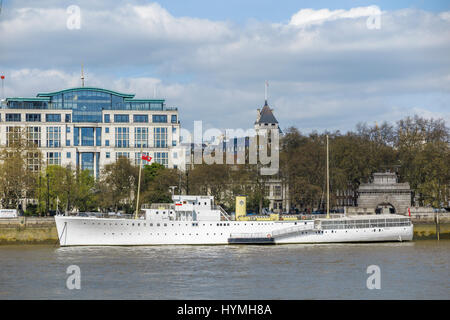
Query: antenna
(265, 90)
(82, 76)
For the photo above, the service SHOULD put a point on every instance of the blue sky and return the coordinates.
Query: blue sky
(270, 10)
(327, 68)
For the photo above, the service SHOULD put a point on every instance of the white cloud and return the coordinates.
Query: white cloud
(306, 17)
(325, 67)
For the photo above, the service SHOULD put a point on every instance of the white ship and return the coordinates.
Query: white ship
(195, 220)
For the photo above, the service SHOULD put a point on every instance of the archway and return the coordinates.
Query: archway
(385, 208)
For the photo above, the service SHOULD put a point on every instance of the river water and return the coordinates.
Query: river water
(410, 270)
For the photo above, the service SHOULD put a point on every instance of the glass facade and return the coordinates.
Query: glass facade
(33, 117)
(160, 137)
(122, 154)
(159, 118)
(34, 136)
(87, 137)
(13, 117)
(140, 118)
(122, 137)
(162, 158)
(54, 158)
(140, 137)
(87, 161)
(53, 117)
(53, 137)
(121, 118)
(98, 137)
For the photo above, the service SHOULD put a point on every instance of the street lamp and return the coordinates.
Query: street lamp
(48, 194)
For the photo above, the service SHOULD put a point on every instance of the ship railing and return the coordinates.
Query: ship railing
(111, 215)
(252, 235)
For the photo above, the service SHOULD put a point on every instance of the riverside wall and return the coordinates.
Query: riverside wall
(33, 230)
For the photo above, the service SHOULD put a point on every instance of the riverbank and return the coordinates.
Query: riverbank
(33, 230)
(28, 230)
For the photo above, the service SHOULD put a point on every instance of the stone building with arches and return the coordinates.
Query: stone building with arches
(384, 195)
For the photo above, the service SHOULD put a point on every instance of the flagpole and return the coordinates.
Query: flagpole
(139, 184)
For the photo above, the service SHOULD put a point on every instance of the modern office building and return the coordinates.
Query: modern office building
(90, 127)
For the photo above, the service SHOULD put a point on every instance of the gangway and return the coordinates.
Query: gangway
(268, 238)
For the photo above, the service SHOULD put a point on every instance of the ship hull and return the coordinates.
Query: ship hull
(86, 231)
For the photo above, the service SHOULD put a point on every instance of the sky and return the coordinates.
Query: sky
(329, 64)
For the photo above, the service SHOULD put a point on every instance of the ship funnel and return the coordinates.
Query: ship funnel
(241, 207)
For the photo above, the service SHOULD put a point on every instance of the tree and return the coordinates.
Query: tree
(117, 185)
(19, 167)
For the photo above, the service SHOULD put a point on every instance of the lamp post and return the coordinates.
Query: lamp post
(48, 194)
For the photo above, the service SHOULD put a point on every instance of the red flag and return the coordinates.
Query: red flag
(409, 211)
(146, 158)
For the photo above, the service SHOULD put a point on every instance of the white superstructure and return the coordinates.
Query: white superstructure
(196, 220)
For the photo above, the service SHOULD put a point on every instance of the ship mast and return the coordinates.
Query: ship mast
(328, 183)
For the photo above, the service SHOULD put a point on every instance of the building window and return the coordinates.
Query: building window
(98, 137)
(122, 137)
(34, 136)
(53, 137)
(107, 118)
(267, 191)
(68, 143)
(277, 191)
(160, 137)
(174, 130)
(53, 158)
(108, 155)
(13, 117)
(53, 117)
(122, 155)
(107, 143)
(174, 143)
(106, 130)
(174, 118)
(162, 158)
(67, 118)
(33, 161)
(121, 118)
(140, 118)
(13, 135)
(68, 155)
(33, 117)
(87, 137)
(67, 129)
(141, 137)
(159, 118)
